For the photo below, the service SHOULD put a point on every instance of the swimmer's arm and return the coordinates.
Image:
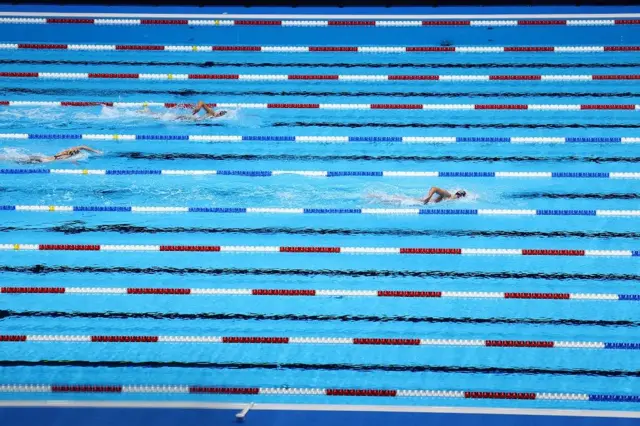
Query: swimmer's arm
(435, 190)
(202, 105)
(63, 155)
(88, 149)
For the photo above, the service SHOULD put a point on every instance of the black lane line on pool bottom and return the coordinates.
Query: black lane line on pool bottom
(572, 196)
(322, 367)
(215, 64)
(192, 92)
(448, 125)
(137, 155)
(65, 190)
(4, 314)
(436, 125)
(75, 227)
(559, 276)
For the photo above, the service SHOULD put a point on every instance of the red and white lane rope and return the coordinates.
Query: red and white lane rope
(326, 22)
(398, 393)
(152, 291)
(319, 249)
(318, 77)
(426, 107)
(320, 49)
(377, 341)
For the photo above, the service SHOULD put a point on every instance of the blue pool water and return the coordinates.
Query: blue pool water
(455, 368)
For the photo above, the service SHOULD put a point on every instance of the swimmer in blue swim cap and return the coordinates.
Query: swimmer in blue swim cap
(439, 194)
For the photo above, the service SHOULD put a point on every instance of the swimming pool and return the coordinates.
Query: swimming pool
(277, 254)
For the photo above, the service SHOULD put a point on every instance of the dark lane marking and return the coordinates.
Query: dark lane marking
(306, 157)
(125, 228)
(191, 92)
(214, 64)
(572, 196)
(560, 276)
(322, 367)
(4, 314)
(454, 125)
(77, 190)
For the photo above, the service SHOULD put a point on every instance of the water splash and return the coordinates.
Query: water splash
(15, 155)
(118, 117)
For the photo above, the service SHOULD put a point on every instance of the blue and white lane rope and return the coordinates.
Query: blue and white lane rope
(289, 210)
(323, 173)
(312, 139)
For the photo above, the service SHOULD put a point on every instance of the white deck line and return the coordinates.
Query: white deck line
(319, 17)
(324, 407)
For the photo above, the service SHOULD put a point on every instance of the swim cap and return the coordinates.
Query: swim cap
(461, 193)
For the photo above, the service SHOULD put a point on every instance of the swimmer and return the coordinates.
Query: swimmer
(438, 193)
(209, 113)
(62, 155)
(443, 195)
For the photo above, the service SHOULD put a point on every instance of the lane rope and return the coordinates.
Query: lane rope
(327, 23)
(319, 249)
(321, 77)
(321, 173)
(315, 210)
(224, 390)
(332, 106)
(376, 341)
(309, 139)
(320, 49)
(154, 291)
